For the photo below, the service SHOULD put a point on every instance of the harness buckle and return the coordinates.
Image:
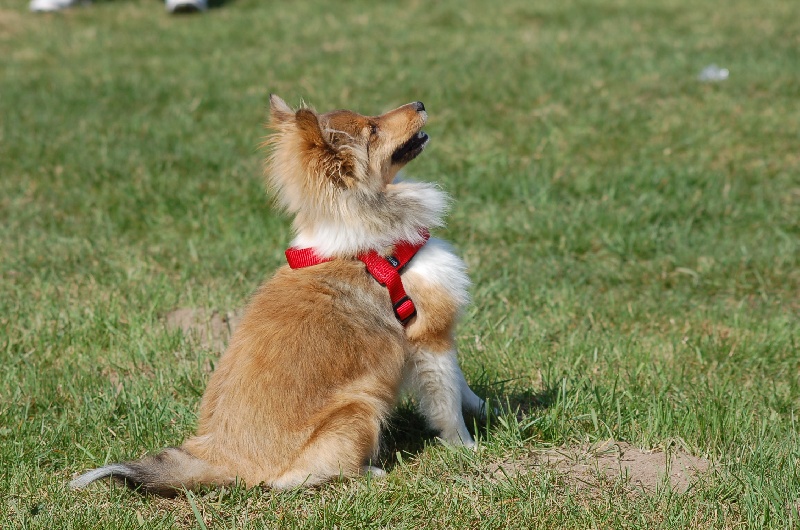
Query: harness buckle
(404, 310)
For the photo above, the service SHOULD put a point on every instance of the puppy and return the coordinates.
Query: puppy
(366, 309)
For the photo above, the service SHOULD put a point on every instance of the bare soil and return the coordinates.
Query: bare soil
(592, 466)
(210, 328)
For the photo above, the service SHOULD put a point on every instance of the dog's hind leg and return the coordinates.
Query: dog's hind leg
(344, 443)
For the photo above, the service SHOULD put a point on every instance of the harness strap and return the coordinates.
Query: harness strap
(385, 270)
(299, 258)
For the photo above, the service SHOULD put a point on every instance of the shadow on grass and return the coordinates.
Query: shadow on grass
(409, 434)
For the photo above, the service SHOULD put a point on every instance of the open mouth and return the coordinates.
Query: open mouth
(411, 149)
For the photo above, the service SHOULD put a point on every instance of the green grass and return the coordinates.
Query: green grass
(632, 234)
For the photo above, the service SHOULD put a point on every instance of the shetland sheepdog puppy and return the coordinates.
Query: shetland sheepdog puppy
(327, 345)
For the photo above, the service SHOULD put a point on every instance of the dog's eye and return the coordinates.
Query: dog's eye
(373, 129)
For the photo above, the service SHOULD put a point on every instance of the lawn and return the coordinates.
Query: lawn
(632, 233)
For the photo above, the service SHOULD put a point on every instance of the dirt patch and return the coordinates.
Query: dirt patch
(9, 18)
(591, 465)
(211, 329)
(11, 23)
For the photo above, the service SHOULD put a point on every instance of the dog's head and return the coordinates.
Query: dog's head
(335, 172)
(318, 158)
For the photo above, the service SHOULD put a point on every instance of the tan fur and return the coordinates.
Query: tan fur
(307, 381)
(437, 313)
(315, 367)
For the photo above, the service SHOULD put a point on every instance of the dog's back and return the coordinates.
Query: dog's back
(310, 375)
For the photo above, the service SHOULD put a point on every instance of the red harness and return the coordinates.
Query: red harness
(385, 270)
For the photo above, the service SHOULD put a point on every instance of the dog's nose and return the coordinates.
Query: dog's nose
(420, 106)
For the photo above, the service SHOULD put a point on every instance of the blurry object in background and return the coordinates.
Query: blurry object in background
(186, 6)
(46, 6)
(173, 6)
(713, 74)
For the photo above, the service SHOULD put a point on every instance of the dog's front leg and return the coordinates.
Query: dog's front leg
(441, 390)
(472, 404)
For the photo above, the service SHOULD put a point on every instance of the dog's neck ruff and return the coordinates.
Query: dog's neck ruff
(385, 270)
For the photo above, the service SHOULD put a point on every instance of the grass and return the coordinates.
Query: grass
(632, 234)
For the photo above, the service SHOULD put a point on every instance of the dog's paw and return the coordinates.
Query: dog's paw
(459, 440)
(374, 472)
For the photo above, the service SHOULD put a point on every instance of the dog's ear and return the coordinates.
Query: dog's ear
(279, 111)
(309, 129)
(338, 165)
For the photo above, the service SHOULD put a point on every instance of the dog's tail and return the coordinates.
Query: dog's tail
(164, 474)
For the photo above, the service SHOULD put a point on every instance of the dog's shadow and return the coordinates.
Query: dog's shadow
(408, 434)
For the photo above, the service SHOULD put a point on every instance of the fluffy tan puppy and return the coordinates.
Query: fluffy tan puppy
(314, 369)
